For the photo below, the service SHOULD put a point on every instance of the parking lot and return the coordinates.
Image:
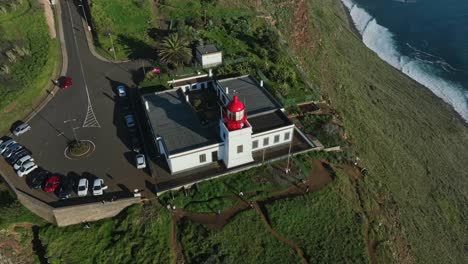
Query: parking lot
(90, 110)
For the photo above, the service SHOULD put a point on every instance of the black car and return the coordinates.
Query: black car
(37, 177)
(12, 150)
(66, 187)
(135, 144)
(18, 155)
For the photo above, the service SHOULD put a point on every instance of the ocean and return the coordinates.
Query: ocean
(425, 39)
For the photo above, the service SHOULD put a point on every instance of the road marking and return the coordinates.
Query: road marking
(90, 120)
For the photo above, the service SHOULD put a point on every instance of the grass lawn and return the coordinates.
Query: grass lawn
(140, 233)
(244, 240)
(222, 193)
(128, 21)
(24, 86)
(325, 223)
(414, 149)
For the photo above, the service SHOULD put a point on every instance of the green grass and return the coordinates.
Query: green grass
(244, 240)
(222, 193)
(128, 21)
(23, 88)
(139, 234)
(413, 147)
(325, 223)
(12, 211)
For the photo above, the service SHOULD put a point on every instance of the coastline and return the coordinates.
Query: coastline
(355, 31)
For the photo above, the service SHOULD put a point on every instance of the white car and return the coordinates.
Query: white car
(26, 168)
(22, 161)
(4, 145)
(21, 129)
(129, 121)
(99, 187)
(140, 161)
(82, 187)
(121, 91)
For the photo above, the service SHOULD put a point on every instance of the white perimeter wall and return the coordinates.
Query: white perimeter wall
(191, 159)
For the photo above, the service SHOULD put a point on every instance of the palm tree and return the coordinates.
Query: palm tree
(174, 50)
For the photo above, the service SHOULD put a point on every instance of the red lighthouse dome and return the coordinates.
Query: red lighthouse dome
(235, 116)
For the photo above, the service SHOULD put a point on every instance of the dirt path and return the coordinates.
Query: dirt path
(293, 245)
(318, 178)
(175, 244)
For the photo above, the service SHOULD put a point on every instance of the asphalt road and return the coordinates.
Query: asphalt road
(94, 105)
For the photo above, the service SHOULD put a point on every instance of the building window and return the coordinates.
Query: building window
(202, 158)
(266, 141)
(287, 135)
(255, 144)
(240, 149)
(276, 139)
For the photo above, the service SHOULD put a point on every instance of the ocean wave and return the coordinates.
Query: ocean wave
(382, 41)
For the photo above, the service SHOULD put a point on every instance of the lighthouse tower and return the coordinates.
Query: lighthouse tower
(236, 133)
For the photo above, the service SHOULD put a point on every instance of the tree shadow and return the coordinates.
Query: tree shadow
(137, 49)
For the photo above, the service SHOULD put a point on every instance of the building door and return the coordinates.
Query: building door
(214, 156)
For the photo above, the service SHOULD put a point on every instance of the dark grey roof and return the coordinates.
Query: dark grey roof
(262, 123)
(255, 98)
(207, 49)
(177, 123)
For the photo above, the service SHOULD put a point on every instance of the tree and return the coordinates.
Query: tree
(174, 50)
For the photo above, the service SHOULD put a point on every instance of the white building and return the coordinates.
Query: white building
(243, 118)
(208, 56)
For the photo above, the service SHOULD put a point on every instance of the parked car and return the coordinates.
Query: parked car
(22, 161)
(12, 149)
(121, 91)
(21, 129)
(4, 145)
(65, 82)
(18, 155)
(140, 161)
(51, 184)
(129, 121)
(26, 168)
(37, 178)
(83, 187)
(99, 187)
(66, 188)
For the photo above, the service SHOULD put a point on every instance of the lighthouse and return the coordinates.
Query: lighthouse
(236, 132)
(235, 116)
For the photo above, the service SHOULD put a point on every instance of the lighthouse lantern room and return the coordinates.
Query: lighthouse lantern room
(235, 116)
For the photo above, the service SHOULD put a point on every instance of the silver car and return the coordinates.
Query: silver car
(82, 187)
(4, 145)
(140, 161)
(12, 149)
(121, 91)
(21, 129)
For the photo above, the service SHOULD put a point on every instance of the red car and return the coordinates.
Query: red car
(65, 82)
(51, 184)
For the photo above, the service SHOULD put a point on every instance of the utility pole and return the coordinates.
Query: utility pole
(112, 42)
(84, 14)
(73, 129)
(289, 157)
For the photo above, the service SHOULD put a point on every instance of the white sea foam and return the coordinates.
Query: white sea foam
(381, 41)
